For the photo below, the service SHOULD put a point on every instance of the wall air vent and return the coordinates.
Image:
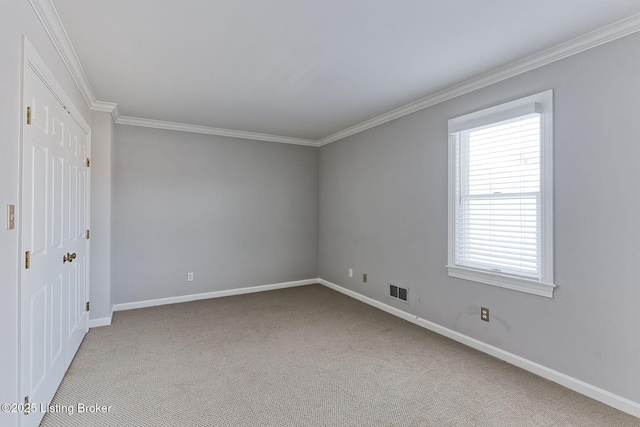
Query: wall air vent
(399, 293)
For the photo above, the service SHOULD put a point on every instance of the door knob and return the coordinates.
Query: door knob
(68, 257)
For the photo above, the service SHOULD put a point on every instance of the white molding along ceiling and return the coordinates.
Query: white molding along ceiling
(52, 23)
(588, 41)
(182, 127)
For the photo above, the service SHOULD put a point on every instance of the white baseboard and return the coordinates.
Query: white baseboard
(207, 295)
(102, 321)
(618, 402)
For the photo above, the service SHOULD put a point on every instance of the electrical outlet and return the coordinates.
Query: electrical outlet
(484, 314)
(364, 277)
(351, 272)
(190, 277)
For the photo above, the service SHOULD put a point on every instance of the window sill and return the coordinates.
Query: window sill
(514, 283)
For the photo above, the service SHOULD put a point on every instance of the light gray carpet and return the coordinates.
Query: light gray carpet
(306, 356)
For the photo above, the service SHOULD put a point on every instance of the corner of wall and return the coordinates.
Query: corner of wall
(100, 273)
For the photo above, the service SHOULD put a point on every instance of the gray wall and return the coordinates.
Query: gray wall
(383, 211)
(235, 212)
(17, 18)
(100, 272)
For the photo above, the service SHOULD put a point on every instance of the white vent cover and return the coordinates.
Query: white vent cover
(399, 293)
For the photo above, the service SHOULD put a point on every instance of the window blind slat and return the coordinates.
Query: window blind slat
(516, 255)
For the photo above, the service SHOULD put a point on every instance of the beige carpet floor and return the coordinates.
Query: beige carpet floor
(306, 356)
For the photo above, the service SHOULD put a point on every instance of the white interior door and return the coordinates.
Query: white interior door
(55, 189)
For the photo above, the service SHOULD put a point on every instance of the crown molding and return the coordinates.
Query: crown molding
(106, 107)
(46, 12)
(48, 16)
(183, 127)
(115, 114)
(587, 41)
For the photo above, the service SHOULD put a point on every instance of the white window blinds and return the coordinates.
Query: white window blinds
(498, 197)
(501, 195)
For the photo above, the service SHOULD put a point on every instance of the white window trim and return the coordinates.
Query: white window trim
(545, 286)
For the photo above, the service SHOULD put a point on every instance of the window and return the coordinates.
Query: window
(500, 195)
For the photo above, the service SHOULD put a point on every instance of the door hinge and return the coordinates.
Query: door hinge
(27, 260)
(88, 305)
(26, 405)
(28, 115)
(88, 234)
(88, 162)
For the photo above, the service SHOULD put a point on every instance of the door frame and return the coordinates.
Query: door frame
(31, 59)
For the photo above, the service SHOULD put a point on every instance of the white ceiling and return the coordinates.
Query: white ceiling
(306, 68)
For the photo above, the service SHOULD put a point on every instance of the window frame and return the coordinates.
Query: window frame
(543, 103)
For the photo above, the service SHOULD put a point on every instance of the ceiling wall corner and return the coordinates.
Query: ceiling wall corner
(48, 16)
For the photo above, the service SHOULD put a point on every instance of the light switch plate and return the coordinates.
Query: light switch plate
(11, 217)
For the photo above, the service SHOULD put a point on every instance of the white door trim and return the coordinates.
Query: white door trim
(32, 59)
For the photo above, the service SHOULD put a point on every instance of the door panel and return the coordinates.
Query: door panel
(56, 320)
(82, 203)
(57, 130)
(72, 207)
(57, 208)
(40, 118)
(38, 353)
(39, 156)
(72, 283)
(73, 144)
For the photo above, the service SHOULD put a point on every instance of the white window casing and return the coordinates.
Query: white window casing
(501, 195)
